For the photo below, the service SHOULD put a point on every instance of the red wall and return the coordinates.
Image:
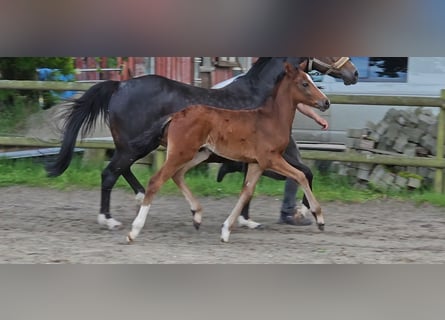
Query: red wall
(176, 68)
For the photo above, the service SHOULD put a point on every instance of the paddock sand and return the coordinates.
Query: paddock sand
(41, 225)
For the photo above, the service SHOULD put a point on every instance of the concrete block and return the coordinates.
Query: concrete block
(393, 131)
(401, 120)
(433, 130)
(366, 166)
(413, 134)
(367, 144)
(412, 170)
(410, 149)
(400, 143)
(391, 115)
(427, 141)
(427, 117)
(414, 183)
(388, 178)
(401, 181)
(382, 127)
(374, 136)
(377, 173)
(363, 175)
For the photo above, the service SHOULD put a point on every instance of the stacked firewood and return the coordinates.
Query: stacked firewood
(408, 132)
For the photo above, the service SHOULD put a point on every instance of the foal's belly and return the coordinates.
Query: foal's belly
(237, 150)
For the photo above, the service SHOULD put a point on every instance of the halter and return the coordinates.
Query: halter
(331, 67)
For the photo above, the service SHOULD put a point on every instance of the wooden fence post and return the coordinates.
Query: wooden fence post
(158, 159)
(439, 178)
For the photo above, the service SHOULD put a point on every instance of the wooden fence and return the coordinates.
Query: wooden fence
(437, 162)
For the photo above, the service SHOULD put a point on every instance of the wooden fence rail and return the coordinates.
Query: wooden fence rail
(437, 162)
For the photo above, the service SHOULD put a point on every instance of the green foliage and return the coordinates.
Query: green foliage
(12, 119)
(24, 68)
(16, 105)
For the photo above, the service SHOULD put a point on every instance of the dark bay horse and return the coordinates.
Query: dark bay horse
(131, 107)
(257, 137)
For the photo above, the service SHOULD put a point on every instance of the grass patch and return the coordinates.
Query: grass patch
(13, 118)
(330, 187)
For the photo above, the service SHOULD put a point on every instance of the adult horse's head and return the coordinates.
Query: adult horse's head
(338, 67)
(304, 89)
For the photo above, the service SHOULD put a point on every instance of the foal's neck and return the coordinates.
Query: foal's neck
(282, 105)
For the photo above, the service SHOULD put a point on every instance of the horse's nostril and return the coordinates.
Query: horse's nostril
(356, 73)
(327, 103)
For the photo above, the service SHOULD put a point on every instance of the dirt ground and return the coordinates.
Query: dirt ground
(48, 226)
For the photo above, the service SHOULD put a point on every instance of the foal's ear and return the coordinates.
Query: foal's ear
(290, 70)
(303, 65)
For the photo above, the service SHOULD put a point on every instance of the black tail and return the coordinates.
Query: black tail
(84, 112)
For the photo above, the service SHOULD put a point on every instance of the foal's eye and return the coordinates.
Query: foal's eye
(305, 84)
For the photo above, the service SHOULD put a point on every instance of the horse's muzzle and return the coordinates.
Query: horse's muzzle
(324, 104)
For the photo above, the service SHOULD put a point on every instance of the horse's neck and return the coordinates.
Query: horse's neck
(261, 78)
(282, 107)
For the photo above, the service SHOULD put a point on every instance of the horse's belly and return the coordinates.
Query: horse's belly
(228, 152)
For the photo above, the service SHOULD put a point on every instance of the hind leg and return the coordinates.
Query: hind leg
(134, 183)
(110, 174)
(170, 167)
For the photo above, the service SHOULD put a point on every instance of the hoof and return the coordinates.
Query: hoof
(321, 227)
(294, 220)
(249, 223)
(225, 234)
(110, 224)
(139, 197)
(129, 239)
(196, 225)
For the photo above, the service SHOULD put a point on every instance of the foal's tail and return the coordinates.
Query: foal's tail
(83, 114)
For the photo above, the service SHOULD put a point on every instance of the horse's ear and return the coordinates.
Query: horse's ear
(290, 70)
(303, 65)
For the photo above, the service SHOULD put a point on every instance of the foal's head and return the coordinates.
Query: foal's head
(303, 89)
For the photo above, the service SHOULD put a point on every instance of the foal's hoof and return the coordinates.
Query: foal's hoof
(225, 234)
(196, 225)
(321, 227)
(129, 239)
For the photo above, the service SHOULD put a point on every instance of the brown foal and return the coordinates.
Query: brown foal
(257, 137)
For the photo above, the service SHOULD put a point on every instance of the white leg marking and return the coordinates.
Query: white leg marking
(111, 224)
(225, 232)
(139, 197)
(304, 211)
(101, 219)
(138, 223)
(197, 217)
(249, 223)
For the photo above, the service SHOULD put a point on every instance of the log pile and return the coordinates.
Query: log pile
(412, 133)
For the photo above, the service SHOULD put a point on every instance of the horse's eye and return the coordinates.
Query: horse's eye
(305, 84)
